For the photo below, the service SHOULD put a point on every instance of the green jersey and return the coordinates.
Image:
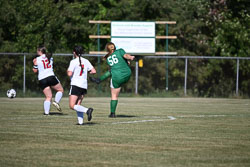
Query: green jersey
(120, 70)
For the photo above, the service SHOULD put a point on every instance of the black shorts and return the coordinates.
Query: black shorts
(49, 81)
(77, 91)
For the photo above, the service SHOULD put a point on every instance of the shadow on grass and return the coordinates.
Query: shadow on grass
(57, 113)
(88, 124)
(125, 116)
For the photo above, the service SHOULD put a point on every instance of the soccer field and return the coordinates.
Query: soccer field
(147, 132)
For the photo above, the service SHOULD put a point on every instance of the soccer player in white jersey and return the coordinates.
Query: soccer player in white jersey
(78, 72)
(43, 65)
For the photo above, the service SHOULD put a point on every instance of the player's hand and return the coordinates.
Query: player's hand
(132, 57)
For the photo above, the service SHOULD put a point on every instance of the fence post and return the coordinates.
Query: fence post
(185, 82)
(24, 70)
(237, 77)
(136, 77)
(98, 59)
(166, 64)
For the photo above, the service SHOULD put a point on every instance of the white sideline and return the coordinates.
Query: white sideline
(202, 116)
(142, 121)
(171, 117)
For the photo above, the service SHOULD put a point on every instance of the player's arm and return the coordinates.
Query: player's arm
(35, 68)
(128, 56)
(69, 73)
(70, 69)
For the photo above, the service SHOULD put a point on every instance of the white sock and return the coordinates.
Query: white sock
(80, 108)
(46, 106)
(80, 117)
(58, 96)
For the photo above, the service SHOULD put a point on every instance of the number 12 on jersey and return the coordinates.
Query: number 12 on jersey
(46, 64)
(112, 60)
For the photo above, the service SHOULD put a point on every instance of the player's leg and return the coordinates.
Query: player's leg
(114, 99)
(72, 102)
(79, 100)
(105, 76)
(79, 118)
(59, 92)
(57, 87)
(89, 110)
(48, 96)
(75, 100)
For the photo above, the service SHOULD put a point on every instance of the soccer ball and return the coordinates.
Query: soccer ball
(11, 93)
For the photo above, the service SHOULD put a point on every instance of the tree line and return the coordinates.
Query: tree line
(204, 28)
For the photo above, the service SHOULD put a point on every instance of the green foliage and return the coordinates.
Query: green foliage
(230, 39)
(204, 28)
(232, 35)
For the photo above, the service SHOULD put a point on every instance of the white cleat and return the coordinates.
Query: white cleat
(57, 106)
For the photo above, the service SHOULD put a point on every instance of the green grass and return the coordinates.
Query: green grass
(205, 132)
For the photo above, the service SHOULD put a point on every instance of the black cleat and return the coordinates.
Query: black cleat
(96, 80)
(45, 114)
(89, 113)
(112, 115)
(80, 124)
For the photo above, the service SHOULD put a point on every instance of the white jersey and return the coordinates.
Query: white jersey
(79, 77)
(45, 69)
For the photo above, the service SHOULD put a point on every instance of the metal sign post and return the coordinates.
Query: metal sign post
(167, 58)
(24, 74)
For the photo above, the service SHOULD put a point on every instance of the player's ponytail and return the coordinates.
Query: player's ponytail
(79, 51)
(49, 56)
(110, 48)
(43, 50)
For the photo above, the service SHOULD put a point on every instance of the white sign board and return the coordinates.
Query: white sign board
(134, 37)
(133, 29)
(135, 45)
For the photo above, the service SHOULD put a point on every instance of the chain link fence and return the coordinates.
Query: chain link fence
(181, 76)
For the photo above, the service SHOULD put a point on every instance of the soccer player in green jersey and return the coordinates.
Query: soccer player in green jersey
(120, 73)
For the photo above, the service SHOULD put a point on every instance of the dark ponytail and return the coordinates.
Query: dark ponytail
(44, 51)
(79, 51)
(49, 56)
